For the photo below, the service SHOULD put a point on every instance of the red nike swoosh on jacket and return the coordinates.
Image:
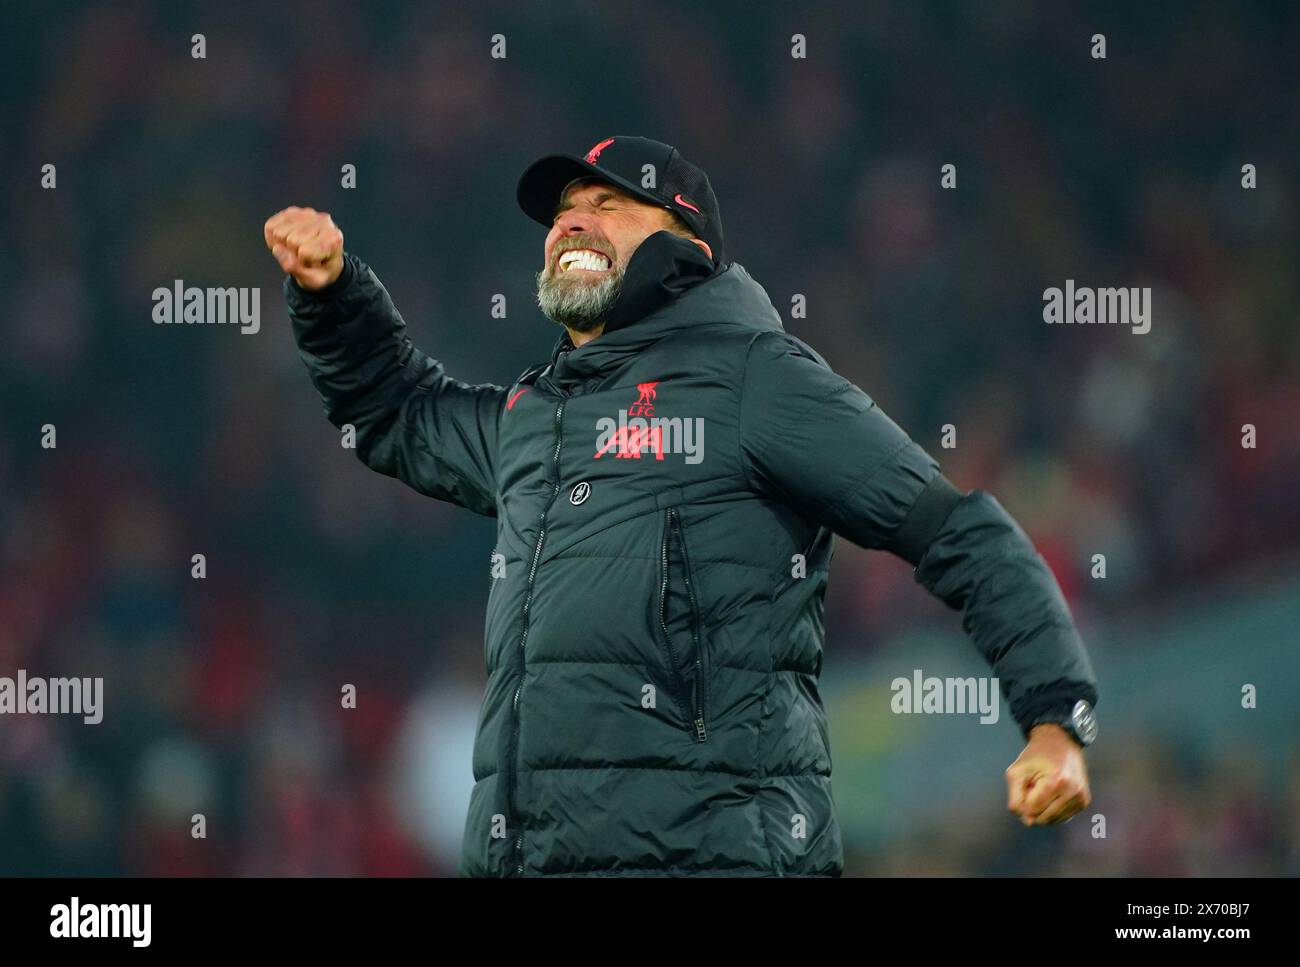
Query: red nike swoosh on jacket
(511, 402)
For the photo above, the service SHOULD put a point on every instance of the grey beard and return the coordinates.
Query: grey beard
(579, 305)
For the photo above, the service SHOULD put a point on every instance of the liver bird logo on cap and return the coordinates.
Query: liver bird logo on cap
(594, 153)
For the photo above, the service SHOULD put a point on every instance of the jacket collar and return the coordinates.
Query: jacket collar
(663, 267)
(670, 284)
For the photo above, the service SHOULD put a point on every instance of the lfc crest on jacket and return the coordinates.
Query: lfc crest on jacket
(637, 430)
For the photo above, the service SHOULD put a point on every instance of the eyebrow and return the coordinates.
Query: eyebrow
(600, 199)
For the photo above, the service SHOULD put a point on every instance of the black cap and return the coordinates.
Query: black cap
(680, 186)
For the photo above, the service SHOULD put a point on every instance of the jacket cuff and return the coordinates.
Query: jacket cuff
(1055, 702)
(298, 296)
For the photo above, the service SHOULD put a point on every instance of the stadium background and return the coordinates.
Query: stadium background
(222, 695)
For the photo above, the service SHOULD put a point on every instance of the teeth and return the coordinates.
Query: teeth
(583, 259)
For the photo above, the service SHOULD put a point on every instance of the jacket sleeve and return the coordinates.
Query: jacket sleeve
(412, 421)
(813, 440)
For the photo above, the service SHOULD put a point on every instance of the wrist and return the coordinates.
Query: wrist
(330, 289)
(1076, 719)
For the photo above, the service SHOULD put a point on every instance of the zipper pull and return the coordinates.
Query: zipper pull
(699, 730)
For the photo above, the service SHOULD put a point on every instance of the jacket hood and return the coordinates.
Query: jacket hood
(669, 284)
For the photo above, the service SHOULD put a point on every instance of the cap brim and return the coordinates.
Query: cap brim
(541, 185)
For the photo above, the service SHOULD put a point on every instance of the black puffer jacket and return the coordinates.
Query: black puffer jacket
(653, 646)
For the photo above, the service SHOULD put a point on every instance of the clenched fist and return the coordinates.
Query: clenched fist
(307, 244)
(1048, 783)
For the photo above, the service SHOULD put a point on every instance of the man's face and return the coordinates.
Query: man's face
(597, 228)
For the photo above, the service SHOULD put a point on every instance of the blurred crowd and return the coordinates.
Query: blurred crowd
(223, 695)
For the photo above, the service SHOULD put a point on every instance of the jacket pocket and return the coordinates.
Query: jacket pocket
(679, 624)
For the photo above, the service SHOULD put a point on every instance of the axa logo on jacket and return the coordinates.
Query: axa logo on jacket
(638, 430)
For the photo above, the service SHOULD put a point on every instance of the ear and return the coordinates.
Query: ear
(704, 245)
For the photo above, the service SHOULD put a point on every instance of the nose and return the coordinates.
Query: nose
(573, 222)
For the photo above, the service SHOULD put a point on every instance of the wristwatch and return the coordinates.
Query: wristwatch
(1080, 721)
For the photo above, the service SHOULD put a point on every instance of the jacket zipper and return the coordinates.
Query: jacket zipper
(675, 526)
(523, 637)
(696, 639)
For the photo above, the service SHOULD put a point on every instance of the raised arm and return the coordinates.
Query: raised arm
(412, 421)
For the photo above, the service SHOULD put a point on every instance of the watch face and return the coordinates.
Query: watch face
(1085, 722)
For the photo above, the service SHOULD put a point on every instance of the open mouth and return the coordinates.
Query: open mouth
(582, 260)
